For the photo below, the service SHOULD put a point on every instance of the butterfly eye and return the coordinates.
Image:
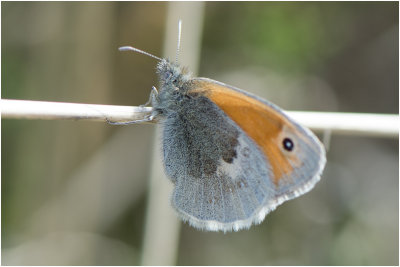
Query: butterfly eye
(288, 144)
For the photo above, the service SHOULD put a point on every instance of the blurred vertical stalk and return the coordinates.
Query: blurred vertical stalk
(161, 238)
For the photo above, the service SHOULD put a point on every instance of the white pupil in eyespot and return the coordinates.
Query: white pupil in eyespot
(288, 144)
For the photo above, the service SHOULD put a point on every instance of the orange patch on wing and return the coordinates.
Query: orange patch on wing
(262, 123)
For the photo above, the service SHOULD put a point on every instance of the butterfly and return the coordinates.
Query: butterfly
(233, 157)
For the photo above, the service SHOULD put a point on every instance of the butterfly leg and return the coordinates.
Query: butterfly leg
(146, 119)
(152, 99)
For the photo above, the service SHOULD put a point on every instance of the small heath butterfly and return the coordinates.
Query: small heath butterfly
(232, 156)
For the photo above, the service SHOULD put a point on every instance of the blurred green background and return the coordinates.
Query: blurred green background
(75, 192)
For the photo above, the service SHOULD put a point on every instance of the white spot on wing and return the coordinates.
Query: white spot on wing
(234, 169)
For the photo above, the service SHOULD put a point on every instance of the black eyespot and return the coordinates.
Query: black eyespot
(288, 144)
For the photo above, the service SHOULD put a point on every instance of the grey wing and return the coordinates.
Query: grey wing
(222, 180)
(234, 197)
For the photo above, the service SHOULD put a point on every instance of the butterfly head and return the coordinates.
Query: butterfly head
(174, 86)
(172, 76)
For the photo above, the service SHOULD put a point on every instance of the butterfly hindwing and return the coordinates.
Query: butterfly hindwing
(221, 177)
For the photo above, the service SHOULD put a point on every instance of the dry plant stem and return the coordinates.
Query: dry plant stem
(42, 110)
(358, 124)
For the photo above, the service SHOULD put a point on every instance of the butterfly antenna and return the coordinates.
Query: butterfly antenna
(178, 49)
(130, 48)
